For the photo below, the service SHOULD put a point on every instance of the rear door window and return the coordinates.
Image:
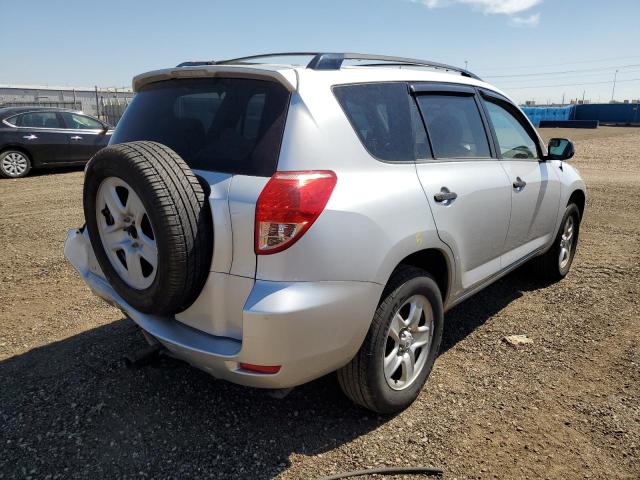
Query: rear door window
(386, 119)
(39, 120)
(232, 125)
(454, 126)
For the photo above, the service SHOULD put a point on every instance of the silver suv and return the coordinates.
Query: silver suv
(272, 223)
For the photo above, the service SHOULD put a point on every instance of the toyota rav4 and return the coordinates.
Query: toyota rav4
(270, 223)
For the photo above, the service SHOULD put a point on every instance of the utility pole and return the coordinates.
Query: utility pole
(613, 90)
(562, 98)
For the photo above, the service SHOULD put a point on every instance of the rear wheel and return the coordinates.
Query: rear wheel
(150, 225)
(14, 164)
(397, 355)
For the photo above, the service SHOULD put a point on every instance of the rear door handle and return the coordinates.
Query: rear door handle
(519, 184)
(445, 196)
(30, 137)
(76, 137)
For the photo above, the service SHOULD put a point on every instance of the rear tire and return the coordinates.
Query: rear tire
(14, 164)
(371, 379)
(143, 203)
(555, 264)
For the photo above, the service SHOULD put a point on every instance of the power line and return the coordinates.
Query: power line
(568, 77)
(570, 84)
(559, 64)
(616, 67)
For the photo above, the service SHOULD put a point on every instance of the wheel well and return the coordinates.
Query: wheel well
(19, 149)
(578, 198)
(435, 262)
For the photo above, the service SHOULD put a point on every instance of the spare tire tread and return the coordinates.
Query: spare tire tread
(181, 177)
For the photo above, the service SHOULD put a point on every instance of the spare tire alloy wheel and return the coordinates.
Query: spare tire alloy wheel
(14, 164)
(126, 233)
(150, 225)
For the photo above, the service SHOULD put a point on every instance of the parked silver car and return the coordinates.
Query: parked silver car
(271, 223)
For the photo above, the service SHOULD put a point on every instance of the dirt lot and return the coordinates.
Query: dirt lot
(567, 406)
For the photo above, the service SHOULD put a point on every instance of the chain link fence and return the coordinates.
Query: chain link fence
(107, 104)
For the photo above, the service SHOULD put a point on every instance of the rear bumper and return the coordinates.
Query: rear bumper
(308, 328)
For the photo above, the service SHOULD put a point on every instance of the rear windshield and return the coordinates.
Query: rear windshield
(231, 125)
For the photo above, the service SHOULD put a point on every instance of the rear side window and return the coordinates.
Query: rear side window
(385, 118)
(232, 125)
(38, 120)
(454, 126)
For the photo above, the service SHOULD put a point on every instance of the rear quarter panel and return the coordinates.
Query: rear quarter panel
(377, 214)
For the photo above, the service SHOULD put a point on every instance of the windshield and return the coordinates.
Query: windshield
(232, 125)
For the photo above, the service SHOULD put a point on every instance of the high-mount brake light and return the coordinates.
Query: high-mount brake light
(288, 205)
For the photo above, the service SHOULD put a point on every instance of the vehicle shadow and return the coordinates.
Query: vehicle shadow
(464, 318)
(38, 172)
(71, 408)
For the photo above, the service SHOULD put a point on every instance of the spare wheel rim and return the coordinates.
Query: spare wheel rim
(126, 232)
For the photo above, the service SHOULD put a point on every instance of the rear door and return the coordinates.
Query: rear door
(229, 131)
(43, 135)
(535, 186)
(467, 189)
(85, 136)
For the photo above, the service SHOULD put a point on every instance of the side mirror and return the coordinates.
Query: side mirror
(560, 149)
(105, 127)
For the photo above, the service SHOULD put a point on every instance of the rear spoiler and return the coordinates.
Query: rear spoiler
(287, 77)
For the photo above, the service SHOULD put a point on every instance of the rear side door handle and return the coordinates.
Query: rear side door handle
(519, 184)
(445, 196)
(76, 137)
(30, 137)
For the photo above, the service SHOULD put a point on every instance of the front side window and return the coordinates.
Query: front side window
(385, 118)
(454, 126)
(38, 120)
(232, 125)
(75, 121)
(514, 141)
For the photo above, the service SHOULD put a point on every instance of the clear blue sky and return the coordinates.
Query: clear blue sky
(84, 43)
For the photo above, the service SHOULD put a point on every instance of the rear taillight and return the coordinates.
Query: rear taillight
(288, 205)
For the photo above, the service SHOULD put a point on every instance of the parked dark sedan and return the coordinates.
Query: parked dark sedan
(33, 137)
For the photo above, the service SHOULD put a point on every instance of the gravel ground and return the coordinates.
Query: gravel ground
(566, 406)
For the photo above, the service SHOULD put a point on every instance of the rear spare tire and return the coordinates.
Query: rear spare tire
(149, 224)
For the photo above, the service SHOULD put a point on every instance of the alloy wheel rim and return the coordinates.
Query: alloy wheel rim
(126, 233)
(566, 242)
(408, 343)
(14, 164)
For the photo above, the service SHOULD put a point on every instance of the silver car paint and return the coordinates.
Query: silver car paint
(475, 237)
(308, 308)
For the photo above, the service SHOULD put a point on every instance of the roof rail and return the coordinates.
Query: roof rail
(333, 61)
(268, 55)
(196, 63)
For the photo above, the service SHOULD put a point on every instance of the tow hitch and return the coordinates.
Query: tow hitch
(143, 356)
